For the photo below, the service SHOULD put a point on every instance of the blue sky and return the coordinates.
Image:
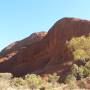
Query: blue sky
(20, 18)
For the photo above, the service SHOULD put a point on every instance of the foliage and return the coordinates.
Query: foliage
(80, 54)
(86, 72)
(20, 83)
(70, 78)
(77, 71)
(87, 65)
(80, 48)
(74, 70)
(82, 42)
(80, 71)
(53, 78)
(17, 82)
(33, 80)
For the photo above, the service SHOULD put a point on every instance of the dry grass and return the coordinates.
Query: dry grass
(5, 84)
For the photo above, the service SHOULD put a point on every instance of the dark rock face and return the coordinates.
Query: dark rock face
(48, 54)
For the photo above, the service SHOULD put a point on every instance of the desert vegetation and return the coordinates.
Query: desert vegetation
(36, 82)
(78, 77)
(80, 47)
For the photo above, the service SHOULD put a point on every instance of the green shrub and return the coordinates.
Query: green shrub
(17, 82)
(53, 77)
(70, 78)
(80, 71)
(88, 65)
(86, 72)
(80, 47)
(33, 81)
(80, 54)
(74, 70)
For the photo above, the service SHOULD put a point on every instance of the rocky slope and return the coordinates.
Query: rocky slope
(47, 54)
(16, 46)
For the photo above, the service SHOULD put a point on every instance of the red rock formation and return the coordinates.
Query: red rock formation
(50, 53)
(16, 46)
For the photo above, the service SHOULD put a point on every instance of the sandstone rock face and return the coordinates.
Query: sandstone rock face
(16, 46)
(49, 54)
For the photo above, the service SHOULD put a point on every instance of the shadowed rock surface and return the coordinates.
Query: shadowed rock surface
(48, 54)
